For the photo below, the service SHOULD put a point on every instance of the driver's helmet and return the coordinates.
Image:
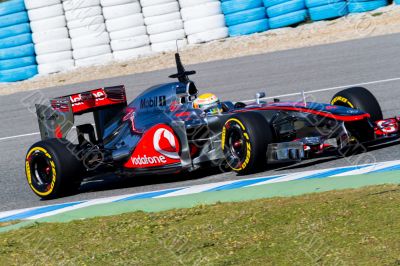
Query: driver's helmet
(209, 103)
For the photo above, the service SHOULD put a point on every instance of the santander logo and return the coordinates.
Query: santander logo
(164, 142)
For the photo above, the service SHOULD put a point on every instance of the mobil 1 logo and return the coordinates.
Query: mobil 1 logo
(156, 101)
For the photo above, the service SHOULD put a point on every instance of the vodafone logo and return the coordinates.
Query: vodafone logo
(144, 160)
(165, 143)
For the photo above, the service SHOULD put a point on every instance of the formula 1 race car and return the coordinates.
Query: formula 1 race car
(161, 132)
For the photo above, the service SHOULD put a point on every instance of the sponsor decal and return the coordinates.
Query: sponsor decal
(79, 99)
(158, 147)
(388, 126)
(148, 160)
(156, 101)
(164, 142)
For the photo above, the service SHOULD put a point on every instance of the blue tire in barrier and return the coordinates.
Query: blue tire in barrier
(359, 7)
(245, 16)
(285, 8)
(315, 3)
(288, 19)
(19, 51)
(13, 19)
(328, 11)
(269, 3)
(18, 40)
(357, 1)
(10, 7)
(234, 6)
(14, 30)
(397, 2)
(18, 74)
(249, 28)
(17, 62)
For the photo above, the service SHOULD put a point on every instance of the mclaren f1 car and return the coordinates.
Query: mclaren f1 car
(161, 132)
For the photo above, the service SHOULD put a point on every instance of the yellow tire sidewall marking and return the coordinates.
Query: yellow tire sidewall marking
(248, 144)
(343, 100)
(28, 171)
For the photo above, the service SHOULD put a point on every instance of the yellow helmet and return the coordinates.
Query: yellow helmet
(209, 103)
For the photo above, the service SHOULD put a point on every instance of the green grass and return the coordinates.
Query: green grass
(351, 227)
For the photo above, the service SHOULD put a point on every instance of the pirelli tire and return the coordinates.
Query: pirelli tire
(359, 98)
(52, 170)
(245, 139)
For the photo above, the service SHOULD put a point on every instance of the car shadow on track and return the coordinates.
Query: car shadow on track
(112, 182)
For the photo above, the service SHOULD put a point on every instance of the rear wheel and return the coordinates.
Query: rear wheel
(359, 98)
(245, 139)
(52, 170)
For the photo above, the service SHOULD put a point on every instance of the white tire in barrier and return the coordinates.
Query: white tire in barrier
(204, 24)
(116, 24)
(121, 10)
(94, 60)
(130, 43)
(54, 57)
(201, 11)
(165, 27)
(87, 30)
(49, 35)
(53, 46)
(77, 4)
(105, 3)
(167, 36)
(32, 4)
(91, 51)
(162, 19)
(158, 10)
(48, 24)
(45, 12)
(168, 46)
(82, 13)
(127, 33)
(146, 3)
(189, 3)
(79, 23)
(52, 68)
(90, 40)
(208, 36)
(132, 53)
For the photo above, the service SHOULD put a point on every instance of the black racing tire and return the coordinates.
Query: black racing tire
(245, 138)
(359, 98)
(52, 170)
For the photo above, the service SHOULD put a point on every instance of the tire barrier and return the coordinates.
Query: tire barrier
(50, 36)
(164, 24)
(359, 6)
(397, 2)
(245, 17)
(17, 53)
(125, 24)
(89, 39)
(326, 9)
(283, 13)
(203, 21)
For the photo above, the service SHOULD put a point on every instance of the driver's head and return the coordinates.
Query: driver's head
(209, 103)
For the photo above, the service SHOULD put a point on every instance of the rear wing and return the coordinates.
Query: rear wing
(56, 120)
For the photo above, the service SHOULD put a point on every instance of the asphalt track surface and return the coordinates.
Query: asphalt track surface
(322, 69)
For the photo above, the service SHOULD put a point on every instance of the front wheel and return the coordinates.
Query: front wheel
(359, 98)
(245, 139)
(52, 169)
